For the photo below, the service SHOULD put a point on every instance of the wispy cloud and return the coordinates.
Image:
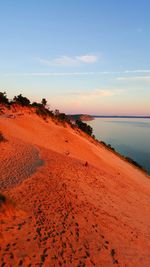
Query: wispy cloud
(52, 74)
(137, 71)
(87, 58)
(134, 78)
(64, 61)
(70, 61)
(96, 93)
(88, 73)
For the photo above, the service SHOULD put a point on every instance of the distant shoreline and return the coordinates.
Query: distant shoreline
(123, 117)
(85, 117)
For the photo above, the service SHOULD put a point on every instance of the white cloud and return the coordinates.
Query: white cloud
(97, 93)
(52, 74)
(87, 58)
(69, 61)
(64, 61)
(137, 71)
(88, 73)
(134, 78)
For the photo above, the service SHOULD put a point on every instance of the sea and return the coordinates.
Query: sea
(127, 135)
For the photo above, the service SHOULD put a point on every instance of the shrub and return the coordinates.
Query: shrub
(84, 127)
(37, 105)
(44, 102)
(2, 199)
(42, 111)
(3, 98)
(134, 162)
(21, 100)
(2, 138)
(63, 117)
(110, 147)
(107, 145)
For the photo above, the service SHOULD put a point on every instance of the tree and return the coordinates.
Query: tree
(21, 100)
(44, 102)
(3, 98)
(56, 112)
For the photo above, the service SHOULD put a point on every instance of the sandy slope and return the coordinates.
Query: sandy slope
(66, 213)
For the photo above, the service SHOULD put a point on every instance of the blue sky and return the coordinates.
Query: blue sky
(83, 56)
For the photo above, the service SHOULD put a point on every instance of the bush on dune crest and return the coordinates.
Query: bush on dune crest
(21, 100)
(3, 98)
(43, 110)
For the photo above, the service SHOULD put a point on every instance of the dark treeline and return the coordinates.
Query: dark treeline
(42, 109)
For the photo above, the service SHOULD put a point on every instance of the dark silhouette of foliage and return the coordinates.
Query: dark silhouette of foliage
(44, 102)
(21, 100)
(2, 138)
(3, 98)
(2, 199)
(134, 162)
(107, 145)
(37, 105)
(63, 117)
(110, 147)
(56, 112)
(42, 111)
(84, 127)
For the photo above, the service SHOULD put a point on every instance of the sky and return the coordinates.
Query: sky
(83, 56)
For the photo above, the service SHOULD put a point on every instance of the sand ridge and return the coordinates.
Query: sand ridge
(76, 214)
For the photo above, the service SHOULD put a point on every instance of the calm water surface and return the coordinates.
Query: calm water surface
(129, 136)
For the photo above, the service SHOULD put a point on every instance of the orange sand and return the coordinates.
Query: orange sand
(62, 212)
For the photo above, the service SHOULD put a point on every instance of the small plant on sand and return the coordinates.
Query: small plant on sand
(2, 138)
(2, 199)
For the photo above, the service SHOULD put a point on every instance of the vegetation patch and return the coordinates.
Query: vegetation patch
(134, 163)
(107, 145)
(130, 160)
(84, 127)
(42, 109)
(2, 138)
(2, 199)
(3, 98)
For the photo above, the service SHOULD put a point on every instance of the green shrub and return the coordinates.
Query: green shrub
(84, 127)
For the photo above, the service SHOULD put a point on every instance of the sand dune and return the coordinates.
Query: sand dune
(70, 213)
